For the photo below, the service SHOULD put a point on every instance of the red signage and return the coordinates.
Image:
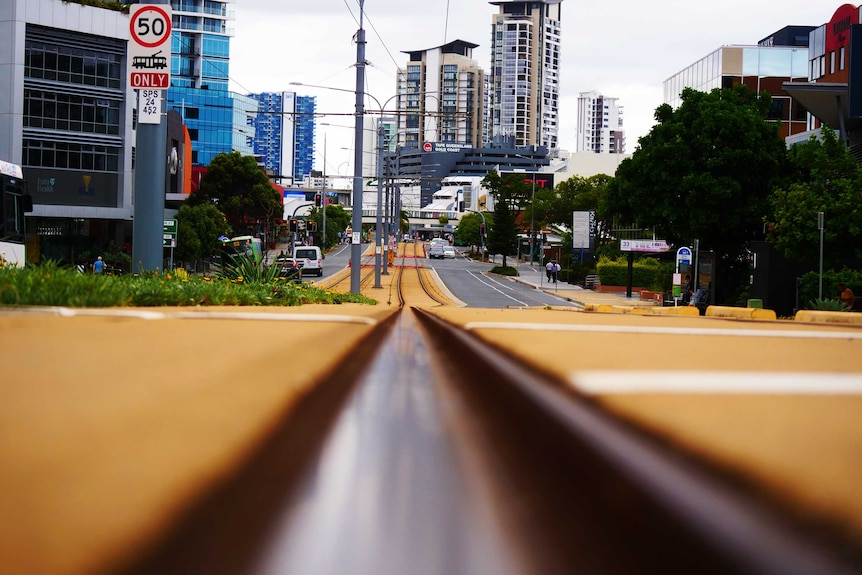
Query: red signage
(154, 80)
(427, 147)
(838, 29)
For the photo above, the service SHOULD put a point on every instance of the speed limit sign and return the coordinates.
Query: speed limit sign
(149, 46)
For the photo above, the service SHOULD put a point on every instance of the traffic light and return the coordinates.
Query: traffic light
(482, 230)
(294, 225)
(318, 200)
(311, 226)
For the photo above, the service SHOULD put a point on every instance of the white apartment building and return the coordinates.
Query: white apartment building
(439, 97)
(525, 72)
(600, 124)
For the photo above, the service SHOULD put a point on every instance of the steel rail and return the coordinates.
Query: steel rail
(584, 471)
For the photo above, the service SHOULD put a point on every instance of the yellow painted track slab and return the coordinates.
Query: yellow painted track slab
(109, 424)
(804, 447)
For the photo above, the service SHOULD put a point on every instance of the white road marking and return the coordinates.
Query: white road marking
(495, 288)
(771, 333)
(725, 382)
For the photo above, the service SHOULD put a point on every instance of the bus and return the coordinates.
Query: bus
(15, 201)
(248, 246)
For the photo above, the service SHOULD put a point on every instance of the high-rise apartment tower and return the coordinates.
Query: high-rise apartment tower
(600, 124)
(525, 72)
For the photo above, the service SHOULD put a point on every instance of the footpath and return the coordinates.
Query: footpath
(535, 276)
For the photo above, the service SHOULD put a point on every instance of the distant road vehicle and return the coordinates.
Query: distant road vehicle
(248, 246)
(289, 268)
(436, 252)
(15, 201)
(310, 259)
(448, 252)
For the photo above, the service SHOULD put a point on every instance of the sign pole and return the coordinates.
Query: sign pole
(149, 72)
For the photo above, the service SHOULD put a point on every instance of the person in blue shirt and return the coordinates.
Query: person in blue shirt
(98, 265)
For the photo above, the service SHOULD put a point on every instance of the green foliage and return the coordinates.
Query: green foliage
(115, 5)
(237, 186)
(504, 270)
(198, 229)
(240, 267)
(827, 305)
(704, 171)
(825, 178)
(467, 231)
(337, 220)
(575, 194)
(48, 284)
(649, 273)
(503, 235)
(809, 284)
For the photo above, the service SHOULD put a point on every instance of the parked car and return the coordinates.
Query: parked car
(448, 252)
(290, 268)
(436, 252)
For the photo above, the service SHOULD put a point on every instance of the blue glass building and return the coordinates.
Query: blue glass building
(284, 134)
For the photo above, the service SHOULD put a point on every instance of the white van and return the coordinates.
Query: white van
(310, 259)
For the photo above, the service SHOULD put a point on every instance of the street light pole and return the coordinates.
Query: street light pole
(532, 209)
(379, 224)
(481, 236)
(356, 220)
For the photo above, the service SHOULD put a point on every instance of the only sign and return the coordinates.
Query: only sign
(149, 48)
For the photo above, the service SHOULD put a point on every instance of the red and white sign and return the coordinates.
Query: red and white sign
(149, 62)
(427, 147)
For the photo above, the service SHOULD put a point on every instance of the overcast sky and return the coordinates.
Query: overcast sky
(624, 49)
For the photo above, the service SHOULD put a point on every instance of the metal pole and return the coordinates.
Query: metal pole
(378, 231)
(356, 220)
(323, 197)
(387, 224)
(533, 218)
(820, 226)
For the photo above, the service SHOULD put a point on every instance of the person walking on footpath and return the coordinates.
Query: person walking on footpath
(556, 271)
(98, 265)
(846, 295)
(549, 270)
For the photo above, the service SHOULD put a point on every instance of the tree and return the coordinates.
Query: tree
(573, 195)
(468, 229)
(337, 220)
(705, 171)
(826, 179)
(237, 186)
(503, 235)
(198, 230)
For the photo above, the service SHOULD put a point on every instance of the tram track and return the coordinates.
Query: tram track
(536, 479)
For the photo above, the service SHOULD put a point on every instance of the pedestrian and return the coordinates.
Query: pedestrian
(846, 296)
(556, 271)
(98, 265)
(549, 269)
(688, 290)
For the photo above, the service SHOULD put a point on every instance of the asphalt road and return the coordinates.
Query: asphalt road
(470, 283)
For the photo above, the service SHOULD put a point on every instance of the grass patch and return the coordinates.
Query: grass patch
(50, 285)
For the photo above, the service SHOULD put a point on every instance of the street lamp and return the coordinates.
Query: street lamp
(484, 227)
(532, 211)
(381, 249)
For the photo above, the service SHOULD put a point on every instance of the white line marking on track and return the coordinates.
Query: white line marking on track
(724, 382)
(772, 333)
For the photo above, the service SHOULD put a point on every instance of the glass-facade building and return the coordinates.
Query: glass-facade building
(761, 68)
(200, 68)
(284, 134)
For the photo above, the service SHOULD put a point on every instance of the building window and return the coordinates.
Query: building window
(46, 154)
(71, 65)
(69, 112)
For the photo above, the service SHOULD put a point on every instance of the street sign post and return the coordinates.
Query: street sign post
(169, 238)
(149, 46)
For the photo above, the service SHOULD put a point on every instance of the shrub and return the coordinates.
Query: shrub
(504, 271)
(827, 305)
(809, 284)
(650, 273)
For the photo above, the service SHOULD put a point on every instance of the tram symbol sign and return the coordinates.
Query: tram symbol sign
(149, 46)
